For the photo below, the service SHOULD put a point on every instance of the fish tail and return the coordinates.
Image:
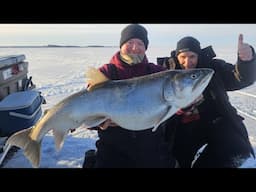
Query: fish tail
(31, 148)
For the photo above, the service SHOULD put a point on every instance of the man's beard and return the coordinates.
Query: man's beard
(132, 59)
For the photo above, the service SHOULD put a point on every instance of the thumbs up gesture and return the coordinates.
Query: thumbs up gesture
(244, 50)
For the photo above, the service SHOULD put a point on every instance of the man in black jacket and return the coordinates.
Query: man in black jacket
(210, 133)
(118, 147)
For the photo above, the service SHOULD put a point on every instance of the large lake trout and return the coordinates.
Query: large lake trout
(135, 104)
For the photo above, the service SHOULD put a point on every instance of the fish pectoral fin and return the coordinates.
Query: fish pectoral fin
(94, 77)
(167, 115)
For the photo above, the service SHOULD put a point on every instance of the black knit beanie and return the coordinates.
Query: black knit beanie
(134, 31)
(188, 44)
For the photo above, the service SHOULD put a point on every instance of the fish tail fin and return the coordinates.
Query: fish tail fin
(31, 148)
(59, 139)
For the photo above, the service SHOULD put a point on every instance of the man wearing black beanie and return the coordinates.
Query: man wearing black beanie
(188, 44)
(131, 35)
(122, 148)
(210, 133)
(134, 31)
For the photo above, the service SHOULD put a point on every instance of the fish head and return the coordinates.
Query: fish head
(185, 86)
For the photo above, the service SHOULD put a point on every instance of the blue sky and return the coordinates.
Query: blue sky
(109, 34)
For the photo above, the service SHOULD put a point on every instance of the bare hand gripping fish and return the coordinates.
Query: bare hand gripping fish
(135, 104)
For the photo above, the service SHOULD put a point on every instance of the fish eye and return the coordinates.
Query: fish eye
(193, 76)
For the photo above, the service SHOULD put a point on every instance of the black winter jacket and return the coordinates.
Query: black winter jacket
(227, 77)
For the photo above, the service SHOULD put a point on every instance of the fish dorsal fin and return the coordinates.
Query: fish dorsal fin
(94, 77)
